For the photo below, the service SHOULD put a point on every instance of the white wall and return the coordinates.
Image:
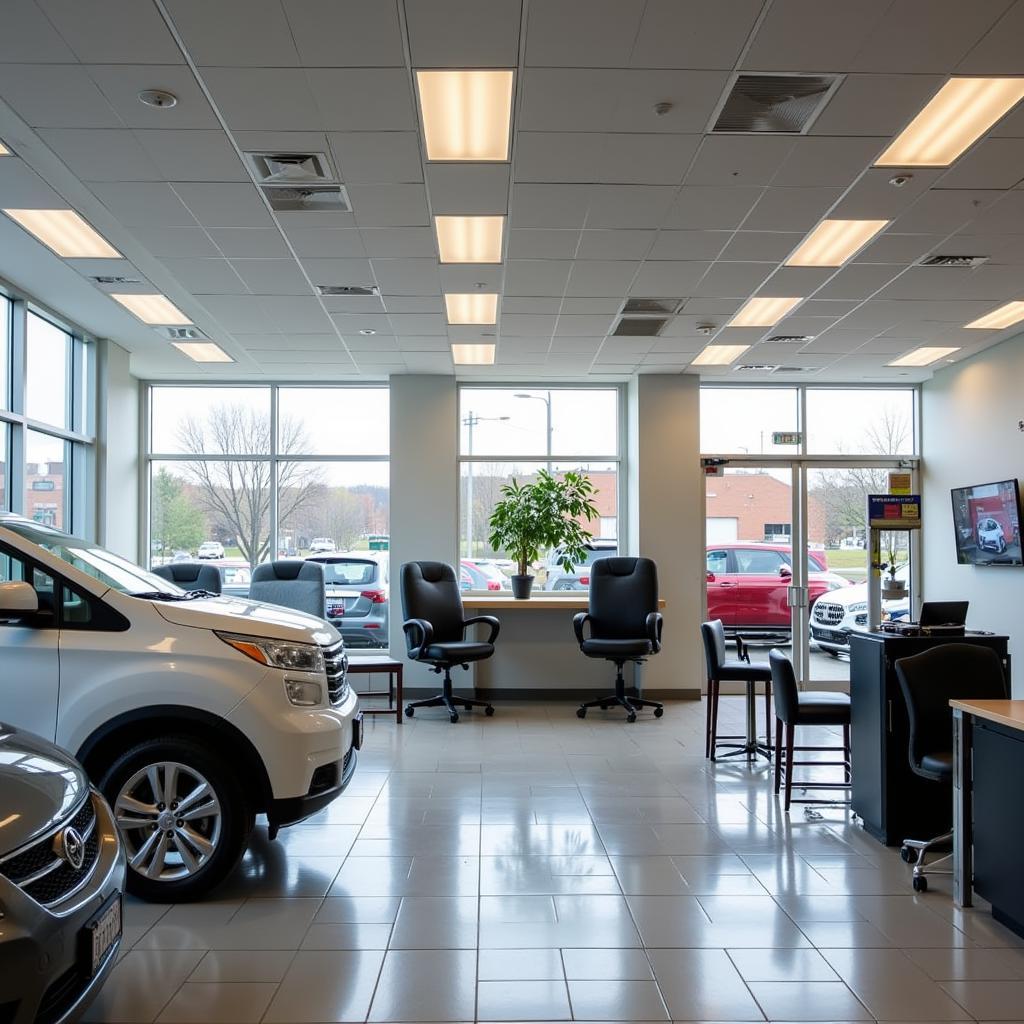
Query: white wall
(118, 461)
(969, 415)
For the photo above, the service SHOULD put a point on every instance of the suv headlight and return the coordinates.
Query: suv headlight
(278, 653)
(858, 607)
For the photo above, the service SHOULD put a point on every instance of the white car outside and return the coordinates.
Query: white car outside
(322, 546)
(210, 549)
(841, 612)
(191, 715)
(991, 535)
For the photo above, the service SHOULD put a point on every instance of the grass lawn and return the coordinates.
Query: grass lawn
(847, 559)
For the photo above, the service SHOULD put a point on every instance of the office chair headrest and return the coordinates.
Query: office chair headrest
(432, 572)
(185, 572)
(288, 569)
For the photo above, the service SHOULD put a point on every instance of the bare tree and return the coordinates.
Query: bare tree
(236, 491)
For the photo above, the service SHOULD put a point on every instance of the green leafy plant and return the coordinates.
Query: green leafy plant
(545, 514)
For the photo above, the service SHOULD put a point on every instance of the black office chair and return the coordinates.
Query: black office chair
(191, 576)
(435, 631)
(625, 625)
(739, 669)
(929, 681)
(794, 707)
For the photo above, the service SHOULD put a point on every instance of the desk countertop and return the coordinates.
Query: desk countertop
(1006, 712)
(576, 602)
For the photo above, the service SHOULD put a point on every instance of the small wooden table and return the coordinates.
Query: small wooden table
(381, 664)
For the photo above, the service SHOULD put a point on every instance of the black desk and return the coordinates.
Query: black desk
(894, 803)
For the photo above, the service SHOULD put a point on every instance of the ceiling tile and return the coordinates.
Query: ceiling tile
(998, 215)
(272, 277)
(583, 325)
(29, 36)
(817, 160)
(761, 246)
(421, 324)
(992, 163)
(461, 278)
(378, 206)
(406, 241)
(407, 276)
(463, 33)
(113, 31)
(224, 204)
(549, 206)
(424, 343)
(697, 34)
(238, 313)
(530, 304)
(468, 189)
(144, 204)
(318, 242)
(874, 197)
(542, 244)
(730, 280)
(615, 245)
(942, 211)
(629, 206)
(122, 83)
(211, 32)
(689, 245)
(350, 324)
(797, 280)
(1000, 249)
(891, 247)
(582, 33)
(358, 33)
(257, 243)
(55, 96)
(162, 240)
(295, 314)
(264, 98)
(339, 271)
(363, 99)
(529, 325)
(536, 277)
(601, 277)
(352, 303)
(613, 158)
(711, 208)
(206, 277)
(591, 304)
(878, 105)
(739, 159)
(96, 154)
(788, 209)
(858, 281)
(193, 155)
(675, 279)
(415, 304)
(377, 157)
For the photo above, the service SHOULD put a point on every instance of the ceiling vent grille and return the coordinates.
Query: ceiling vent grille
(791, 339)
(651, 305)
(774, 104)
(182, 333)
(959, 262)
(756, 368)
(290, 168)
(639, 327)
(314, 198)
(348, 289)
(794, 369)
(111, 279)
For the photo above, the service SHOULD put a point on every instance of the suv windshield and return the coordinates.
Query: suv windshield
(109, 569)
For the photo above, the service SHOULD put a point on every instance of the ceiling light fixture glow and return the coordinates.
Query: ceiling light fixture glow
(4, 151)
(152, 309)
(833, 242)
(469, 239)
(466, 114)
(473, 355)
(923, 356)
(952, 120)
(471, 307)
(719, 355)
(203, 351)
(65, 232)
(763, 311)
(1004, 316)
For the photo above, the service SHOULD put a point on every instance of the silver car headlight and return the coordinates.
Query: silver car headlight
(858, 607)
(278, 653)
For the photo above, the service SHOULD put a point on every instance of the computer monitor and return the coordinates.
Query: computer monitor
(944, 613)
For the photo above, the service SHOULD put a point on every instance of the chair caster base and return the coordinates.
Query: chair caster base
(920, 883)
(410, 711)
(489, 710)
(658, 712)
(453, 717)
(908, 855)
(581, 712)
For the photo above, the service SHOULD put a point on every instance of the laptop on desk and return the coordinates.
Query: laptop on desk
(943, 613)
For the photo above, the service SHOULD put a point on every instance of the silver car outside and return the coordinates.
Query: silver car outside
(47, 904)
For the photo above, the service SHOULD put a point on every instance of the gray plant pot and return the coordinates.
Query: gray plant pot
(521, 587)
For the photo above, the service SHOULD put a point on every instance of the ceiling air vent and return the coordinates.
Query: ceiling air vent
(651, 305)
(756, 368)
(791, 339)
(182, 333)
(779, 104)
(289, 168)
(323, 198)
(348, 289)
(639, 326)
(110, 279)
(794, 369)
(961, 262)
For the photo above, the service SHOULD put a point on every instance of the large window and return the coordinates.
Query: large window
(512, 433)
(45, 418)
(253, 473)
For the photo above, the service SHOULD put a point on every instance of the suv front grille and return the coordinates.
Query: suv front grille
(828, 613)
(336, 663)
(44, 876)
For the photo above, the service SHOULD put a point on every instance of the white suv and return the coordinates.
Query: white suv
(191, 713)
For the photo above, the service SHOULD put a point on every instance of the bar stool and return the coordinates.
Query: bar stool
(741, 670)
(794, 707)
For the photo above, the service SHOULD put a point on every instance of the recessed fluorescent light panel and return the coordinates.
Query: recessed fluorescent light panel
(763, 311)
(469, 239)
(4, 151)
(1004, 316)
(719, 355)
(471, 307)
(957, 115)
(473, 355)
(833, 242)
(923, 356)
(466, 114)
(203, 351)
(65, 233)
(152, 309)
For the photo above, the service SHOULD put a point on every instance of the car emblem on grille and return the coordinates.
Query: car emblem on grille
(69, 846)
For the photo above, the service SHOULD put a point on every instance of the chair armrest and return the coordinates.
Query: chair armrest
(741, 650)
(579, 620)
(487, 620)
(654, 624)
(418, 634)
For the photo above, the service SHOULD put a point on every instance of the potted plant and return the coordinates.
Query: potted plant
(892, 588)
(547, 513)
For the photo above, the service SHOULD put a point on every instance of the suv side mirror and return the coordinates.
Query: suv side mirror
(17, 600)
(785, 571)
(710, 576)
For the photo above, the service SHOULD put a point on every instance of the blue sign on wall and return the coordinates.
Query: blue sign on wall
(894, 511)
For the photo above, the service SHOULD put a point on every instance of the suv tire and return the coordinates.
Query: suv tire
(183, 816)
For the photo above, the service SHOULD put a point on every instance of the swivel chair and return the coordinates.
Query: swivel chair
(435, 631)
(625, 625)
(291, 583)
(929, 681)
(739, 669)
(794, 707)
(191, 576)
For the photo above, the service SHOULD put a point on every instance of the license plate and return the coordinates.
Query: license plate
(336, 611)
(102, 932)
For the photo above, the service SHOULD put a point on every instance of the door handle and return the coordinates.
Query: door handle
(726, 583)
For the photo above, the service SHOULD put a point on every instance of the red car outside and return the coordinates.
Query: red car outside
(747, 584)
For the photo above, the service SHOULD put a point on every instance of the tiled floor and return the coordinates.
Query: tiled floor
(535, 867)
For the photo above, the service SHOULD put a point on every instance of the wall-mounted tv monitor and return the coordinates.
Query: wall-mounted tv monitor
(986, 519)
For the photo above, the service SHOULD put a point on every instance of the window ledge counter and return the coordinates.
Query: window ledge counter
(536, 654)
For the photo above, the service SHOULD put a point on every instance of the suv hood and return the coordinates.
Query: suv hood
(253, 618)
(39, 785)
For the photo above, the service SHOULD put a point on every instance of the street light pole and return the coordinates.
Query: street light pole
(469, 423)
(547, 403)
